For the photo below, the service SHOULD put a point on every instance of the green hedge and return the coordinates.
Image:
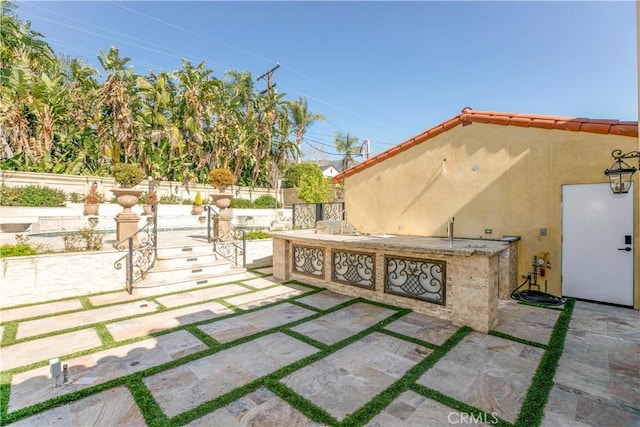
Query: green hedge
(237, 203)
(266, 202)
(32, 195)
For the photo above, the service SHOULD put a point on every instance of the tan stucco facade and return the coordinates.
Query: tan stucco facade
(506, 179)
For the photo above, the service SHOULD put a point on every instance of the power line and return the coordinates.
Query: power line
(256, 56)
(319, 149)
(172, 53)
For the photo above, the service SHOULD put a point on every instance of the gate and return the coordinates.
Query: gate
(305, 215)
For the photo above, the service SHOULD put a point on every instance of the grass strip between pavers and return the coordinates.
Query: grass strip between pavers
(9, 333)
(305, 339)
(410, 339)
(382, 400)
(198, 333)
(86, 302)
(518, 340)
(307, 408)
(5, 386)
(302, 405)
(220, 300)
(305, 306)
(105, 336)
(153, 334)
(532, 410)
(475, 415)
(152, 413)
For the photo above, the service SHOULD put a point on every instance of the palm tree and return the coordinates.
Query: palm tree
(158, 95)
(196, 89)
(240, 89)
(19, 43)
(81, 147)
(349, 146)
(301, 119)
(120, 103)
(15, 118)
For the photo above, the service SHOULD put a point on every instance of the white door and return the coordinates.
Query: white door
(597, 261)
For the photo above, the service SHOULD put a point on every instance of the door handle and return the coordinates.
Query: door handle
(628, 249)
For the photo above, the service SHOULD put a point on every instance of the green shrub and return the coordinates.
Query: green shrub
(22, 248)
(315, 189)
(171, 200)
(296, 171)
(237, 203)
(257, 235)
(127, 174)
(32, 195)
(220, 178)
(266, 202)
(9, 196)
(85, 238)
(75, 197)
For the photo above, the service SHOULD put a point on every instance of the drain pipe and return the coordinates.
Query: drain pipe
(450, 232)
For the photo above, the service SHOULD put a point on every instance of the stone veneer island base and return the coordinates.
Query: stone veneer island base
(461, 283)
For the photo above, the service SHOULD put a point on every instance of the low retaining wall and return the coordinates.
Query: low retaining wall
(70, 218)
(80, 184)
(39, 278)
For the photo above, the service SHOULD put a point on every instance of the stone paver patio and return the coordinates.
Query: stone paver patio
(262, 353)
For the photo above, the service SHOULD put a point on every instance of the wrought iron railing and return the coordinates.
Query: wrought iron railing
(228, 241)
(142, 251)
(305, 215)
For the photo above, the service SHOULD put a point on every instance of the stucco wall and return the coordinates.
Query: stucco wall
(504, 178)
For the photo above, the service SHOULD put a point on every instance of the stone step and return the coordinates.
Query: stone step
(186, 271)
(230, 274)
(206, 248)
(182, 261)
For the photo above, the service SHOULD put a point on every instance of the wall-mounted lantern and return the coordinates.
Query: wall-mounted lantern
(620, 173)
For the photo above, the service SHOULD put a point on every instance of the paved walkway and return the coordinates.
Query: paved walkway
(257, 352)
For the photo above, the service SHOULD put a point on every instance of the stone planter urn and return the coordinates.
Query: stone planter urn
(127, 220)
(127, 198)
(197, 210)
(147, 209)
(222, 231)
(91, 209)
(222, 200)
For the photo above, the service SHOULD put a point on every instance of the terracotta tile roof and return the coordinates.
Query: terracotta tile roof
(469, 115)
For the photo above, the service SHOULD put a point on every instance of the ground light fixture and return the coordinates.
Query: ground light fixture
(620, 173)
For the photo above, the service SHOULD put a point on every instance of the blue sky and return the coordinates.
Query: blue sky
(384, 71)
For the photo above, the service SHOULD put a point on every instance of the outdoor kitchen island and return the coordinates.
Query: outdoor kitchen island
(459, 281)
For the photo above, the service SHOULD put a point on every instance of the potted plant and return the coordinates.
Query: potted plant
(197, 208)
(127, 175)
(152, 200)
(91, 200)
(221, 179)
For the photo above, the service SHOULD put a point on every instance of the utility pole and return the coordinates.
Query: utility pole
(268, 75)
(366, 148)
